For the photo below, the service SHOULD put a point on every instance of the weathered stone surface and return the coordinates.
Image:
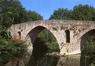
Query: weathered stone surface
(28, 32)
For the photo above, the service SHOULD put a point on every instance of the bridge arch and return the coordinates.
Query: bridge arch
(31, 37)
(87, 36)
(33, 33)
(85, 32)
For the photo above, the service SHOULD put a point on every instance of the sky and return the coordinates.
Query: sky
(46, 7)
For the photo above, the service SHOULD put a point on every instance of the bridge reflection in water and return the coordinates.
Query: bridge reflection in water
(40, 58)
(74, 60)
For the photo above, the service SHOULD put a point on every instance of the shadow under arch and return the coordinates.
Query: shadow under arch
(32, 35)
(85, 60)
(35, 31)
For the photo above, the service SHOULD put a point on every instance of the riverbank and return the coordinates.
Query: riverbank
(58, 54)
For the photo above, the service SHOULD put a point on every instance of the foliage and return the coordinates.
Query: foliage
(12, 12)
(88, 52)
(39, 44)
(47, 36)
(84, 12)
(61, 13)
(79, 12)
(9, 11)
(32, 16)
(49, 40)
(88, 47)
(11, 49)
(4, 33)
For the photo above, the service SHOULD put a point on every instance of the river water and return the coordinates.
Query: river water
(42, 56)
(53, 60)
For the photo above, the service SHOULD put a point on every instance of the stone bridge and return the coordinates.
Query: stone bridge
(70, 34)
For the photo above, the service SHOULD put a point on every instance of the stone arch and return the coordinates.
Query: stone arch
(32, 35)
(86, 36)
(35, 31)
(84, 32)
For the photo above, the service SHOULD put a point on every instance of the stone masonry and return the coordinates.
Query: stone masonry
(68, 33)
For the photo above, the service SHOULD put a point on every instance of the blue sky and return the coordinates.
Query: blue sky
(46, 7)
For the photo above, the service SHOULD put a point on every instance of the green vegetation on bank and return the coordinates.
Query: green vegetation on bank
(10, 50)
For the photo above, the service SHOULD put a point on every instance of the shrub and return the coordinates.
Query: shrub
(11, 49)
(4, 33)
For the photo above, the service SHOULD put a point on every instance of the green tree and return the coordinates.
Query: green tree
(12, 12)
(32, 16)
(9, 11)
(62, 13)
(79, 12)
(83, 12)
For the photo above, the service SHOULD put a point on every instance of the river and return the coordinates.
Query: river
(53, 60)
(43, 56)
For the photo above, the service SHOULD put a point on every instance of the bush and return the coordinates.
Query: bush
(4, 33)
(11, 49)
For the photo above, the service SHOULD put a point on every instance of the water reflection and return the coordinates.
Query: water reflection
(73, 60)
(51, 60)
(87, 61)
(41, 57)
(56, 61)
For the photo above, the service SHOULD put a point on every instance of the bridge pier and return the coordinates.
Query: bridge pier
(70, 49)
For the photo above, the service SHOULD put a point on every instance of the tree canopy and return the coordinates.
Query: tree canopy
(61, 13)
(79, 12)
(84, 12)
(12, 12)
